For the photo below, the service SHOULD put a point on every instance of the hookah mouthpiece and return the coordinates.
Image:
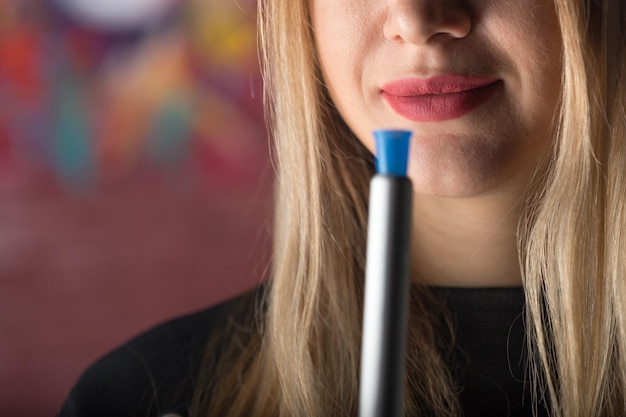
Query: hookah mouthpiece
(392, 151)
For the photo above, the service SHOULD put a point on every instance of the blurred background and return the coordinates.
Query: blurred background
(135, 183)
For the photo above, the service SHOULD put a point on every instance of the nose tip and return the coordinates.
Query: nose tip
(422, 21)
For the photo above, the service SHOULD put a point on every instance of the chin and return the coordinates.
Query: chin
(458, 183)
(467, 166)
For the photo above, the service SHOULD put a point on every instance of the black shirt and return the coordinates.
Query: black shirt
(154, 373)
(491, 351)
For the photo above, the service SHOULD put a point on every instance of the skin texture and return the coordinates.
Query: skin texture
(469, 173)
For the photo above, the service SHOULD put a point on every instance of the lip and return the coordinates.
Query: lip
(439, 98)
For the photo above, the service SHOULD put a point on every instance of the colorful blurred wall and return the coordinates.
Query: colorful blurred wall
(135, 182)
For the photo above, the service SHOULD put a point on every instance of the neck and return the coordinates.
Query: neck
(466, 242)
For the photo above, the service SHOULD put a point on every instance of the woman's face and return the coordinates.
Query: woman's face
(477, 81)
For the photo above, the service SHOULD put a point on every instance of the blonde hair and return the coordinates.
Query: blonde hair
(574, 240)
(302, 357)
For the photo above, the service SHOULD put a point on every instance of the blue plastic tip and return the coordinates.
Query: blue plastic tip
(392, 151)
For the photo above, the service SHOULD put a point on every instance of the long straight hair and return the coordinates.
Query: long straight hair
(573, 238)
(301, 355)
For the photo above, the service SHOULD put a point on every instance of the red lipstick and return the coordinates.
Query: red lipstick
(438, 98)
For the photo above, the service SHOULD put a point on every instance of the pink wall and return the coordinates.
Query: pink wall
(134, 183)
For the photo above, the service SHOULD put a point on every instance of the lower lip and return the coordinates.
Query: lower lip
(438, 107)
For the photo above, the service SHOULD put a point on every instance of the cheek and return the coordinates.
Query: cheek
(334, 32)
(543, 75)
(344, 36)
(526, 39)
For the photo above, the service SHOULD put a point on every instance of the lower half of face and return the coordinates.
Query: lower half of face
(479, 87)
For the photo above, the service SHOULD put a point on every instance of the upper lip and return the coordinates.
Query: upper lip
(440, 84)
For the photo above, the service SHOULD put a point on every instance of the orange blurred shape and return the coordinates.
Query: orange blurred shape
(20, 63)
